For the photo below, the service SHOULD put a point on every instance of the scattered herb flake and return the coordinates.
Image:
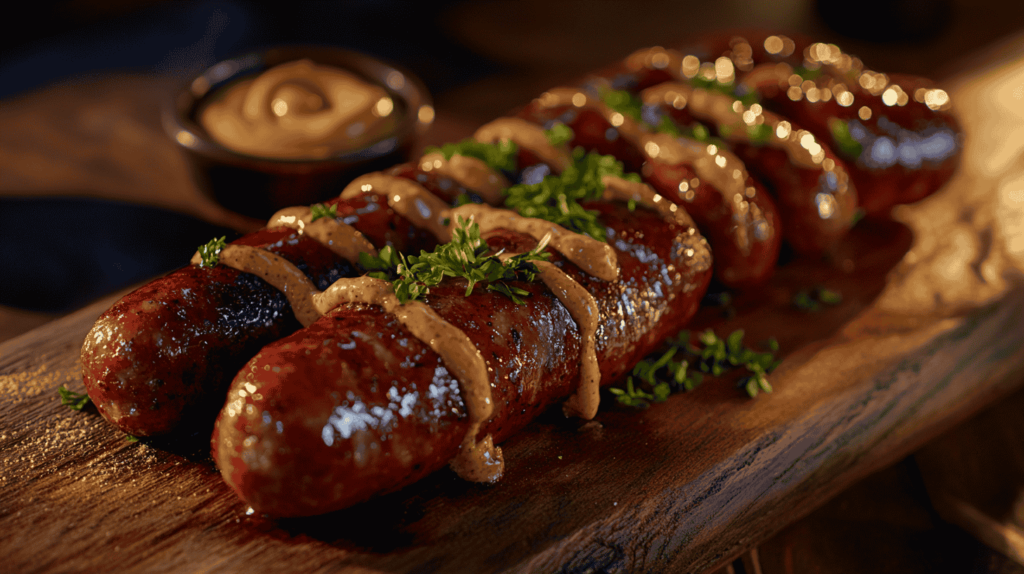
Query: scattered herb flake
(210, 252)
(71, 399)
(682, 367)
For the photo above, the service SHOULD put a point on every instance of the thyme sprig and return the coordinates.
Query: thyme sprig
(71, 399)
(465, 256)
(683, 365)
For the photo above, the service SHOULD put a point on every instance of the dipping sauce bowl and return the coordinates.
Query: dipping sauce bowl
(292, 125)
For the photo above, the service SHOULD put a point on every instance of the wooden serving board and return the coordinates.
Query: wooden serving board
(680, 486)
(930, 330)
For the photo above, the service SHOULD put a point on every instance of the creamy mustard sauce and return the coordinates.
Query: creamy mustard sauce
(592, 256)
(527, 136)
(344, 240)
(477, 461)
(715, 107)
(469, 172)
(408, 198)
(721, 168)
(583, 309)
(619, 189)
(277, 271)
(298, 110)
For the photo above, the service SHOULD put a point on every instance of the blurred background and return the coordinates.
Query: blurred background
(93, 198)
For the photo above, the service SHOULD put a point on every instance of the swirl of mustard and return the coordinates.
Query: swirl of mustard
(299, 110)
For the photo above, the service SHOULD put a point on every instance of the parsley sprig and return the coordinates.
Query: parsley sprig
(557, 198)
(319, 210)
(464, 256)
(71, 399)
(210, 252)
(682, 367)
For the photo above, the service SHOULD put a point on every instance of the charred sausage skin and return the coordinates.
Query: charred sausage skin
(161, 358)
(353, 405)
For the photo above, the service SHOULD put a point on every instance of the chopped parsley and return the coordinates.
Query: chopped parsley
(845, 143)
(557, 197)
(210, 253)
(812, 299)
(71, 399)
(465, 256)
(500, 156)
(319, 210)
(682, 368)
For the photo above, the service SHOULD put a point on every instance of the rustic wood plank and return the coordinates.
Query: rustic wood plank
(683, 486)
(680, 486)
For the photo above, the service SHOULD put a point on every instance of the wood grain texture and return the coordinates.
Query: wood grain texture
(677, 487)
(919, 344)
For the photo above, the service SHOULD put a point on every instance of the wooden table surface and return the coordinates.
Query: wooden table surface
(931, 330)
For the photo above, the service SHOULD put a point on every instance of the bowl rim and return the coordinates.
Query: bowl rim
(178, 117)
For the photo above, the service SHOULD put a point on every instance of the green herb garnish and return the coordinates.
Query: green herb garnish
(557, 197)
(559, 134)
(318, 210)
(845, 143)
(682, 367)
(210, 253)
(131, 438)
(812, 299)
(71, 399)
(500, 156)
(464, 256)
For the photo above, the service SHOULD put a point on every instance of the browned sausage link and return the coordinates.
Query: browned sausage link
(360, 407)
(896, 132)
(162, 357)
(453, 191)
(740, 222)
(897, 135)
(817, 201)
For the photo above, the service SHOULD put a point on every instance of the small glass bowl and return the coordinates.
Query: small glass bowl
(259, 186)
